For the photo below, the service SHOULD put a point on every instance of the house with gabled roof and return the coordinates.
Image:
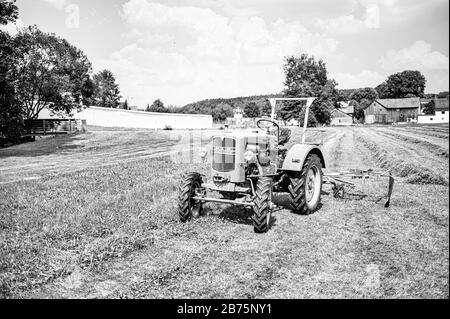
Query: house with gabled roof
(386, 111)
(339, 118)
(441, 113)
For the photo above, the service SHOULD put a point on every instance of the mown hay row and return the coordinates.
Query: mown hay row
(437, 134)
(400, 166)
(433, 148)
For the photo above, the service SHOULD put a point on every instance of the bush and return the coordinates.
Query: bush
(168, 128)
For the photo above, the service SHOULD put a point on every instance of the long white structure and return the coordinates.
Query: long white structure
(107, 117)
(439, 117)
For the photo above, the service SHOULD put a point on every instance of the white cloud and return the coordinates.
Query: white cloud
(365, 78)
(59, 4)
(351, 24)
(182, 54)
(420, 56)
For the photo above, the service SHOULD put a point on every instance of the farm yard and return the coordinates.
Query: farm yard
(93, 215)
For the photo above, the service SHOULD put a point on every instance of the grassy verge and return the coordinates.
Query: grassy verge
(82, 219)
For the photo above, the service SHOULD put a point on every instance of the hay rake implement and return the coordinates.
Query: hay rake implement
(344, 181)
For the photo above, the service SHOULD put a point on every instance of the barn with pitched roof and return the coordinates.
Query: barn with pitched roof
(385, 111)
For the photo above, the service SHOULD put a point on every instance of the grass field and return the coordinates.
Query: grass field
(93, 216)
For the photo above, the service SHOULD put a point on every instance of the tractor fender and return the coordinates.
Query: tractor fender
(297, 155)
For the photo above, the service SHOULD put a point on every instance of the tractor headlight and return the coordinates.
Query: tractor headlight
(249, 156)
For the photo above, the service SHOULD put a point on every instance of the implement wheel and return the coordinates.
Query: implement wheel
(262, 208)
(305, 187)
(187, 206)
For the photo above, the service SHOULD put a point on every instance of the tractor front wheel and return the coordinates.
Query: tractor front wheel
(187, 206)
(305, 187)
(262, 208)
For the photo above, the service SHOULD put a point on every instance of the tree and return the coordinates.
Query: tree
(157, 106)
(358, 110)
(306, 77)
(403, 84)
(221, 112)
(429, 108)
(365, 93)
(266, 108)
(10, 111)
(125, 105)
(48, 72)
(8, 11)
(252, 110)
(312, 121)
(107, 93)
(382, 90)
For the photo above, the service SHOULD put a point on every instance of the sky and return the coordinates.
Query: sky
(185, 51)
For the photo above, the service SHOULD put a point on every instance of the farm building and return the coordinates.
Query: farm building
(346, 108)
(339, 118)
(441, 113)
(385, 111)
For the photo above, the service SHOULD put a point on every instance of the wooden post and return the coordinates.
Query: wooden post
(70, 125)
(44, 127)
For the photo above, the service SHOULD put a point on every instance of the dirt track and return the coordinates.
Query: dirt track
(348, 248)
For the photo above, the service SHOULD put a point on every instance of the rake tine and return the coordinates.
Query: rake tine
(391, 188)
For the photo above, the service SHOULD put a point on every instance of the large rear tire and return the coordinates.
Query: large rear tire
(305, 187)
(187, 206)
(262, 208)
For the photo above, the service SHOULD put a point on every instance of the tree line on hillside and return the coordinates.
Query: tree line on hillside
(41, 70)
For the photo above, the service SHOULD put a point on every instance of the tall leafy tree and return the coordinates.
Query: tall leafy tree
(408, 83)
(364, 93)
(8, 11)
(10, 111)
(157, 106)
(221, 112)
(429, 108)
(49, 72)
(252, 110)
(107, 93)
(307, 77)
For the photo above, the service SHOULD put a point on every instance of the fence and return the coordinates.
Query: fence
(52, 126)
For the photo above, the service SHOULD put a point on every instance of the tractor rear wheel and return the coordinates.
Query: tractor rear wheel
(187, 206)
(262, 208)
(305, 187)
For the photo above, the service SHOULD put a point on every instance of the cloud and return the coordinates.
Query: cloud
(420, 56)
(182, 54)
(351, 24)
(59, 4)
(365, 78)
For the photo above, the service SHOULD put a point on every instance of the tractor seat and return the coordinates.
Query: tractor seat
(285, 136)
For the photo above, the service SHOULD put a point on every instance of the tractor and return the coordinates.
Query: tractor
(248, 167)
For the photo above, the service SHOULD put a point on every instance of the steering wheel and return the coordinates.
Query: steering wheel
(268, 125)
